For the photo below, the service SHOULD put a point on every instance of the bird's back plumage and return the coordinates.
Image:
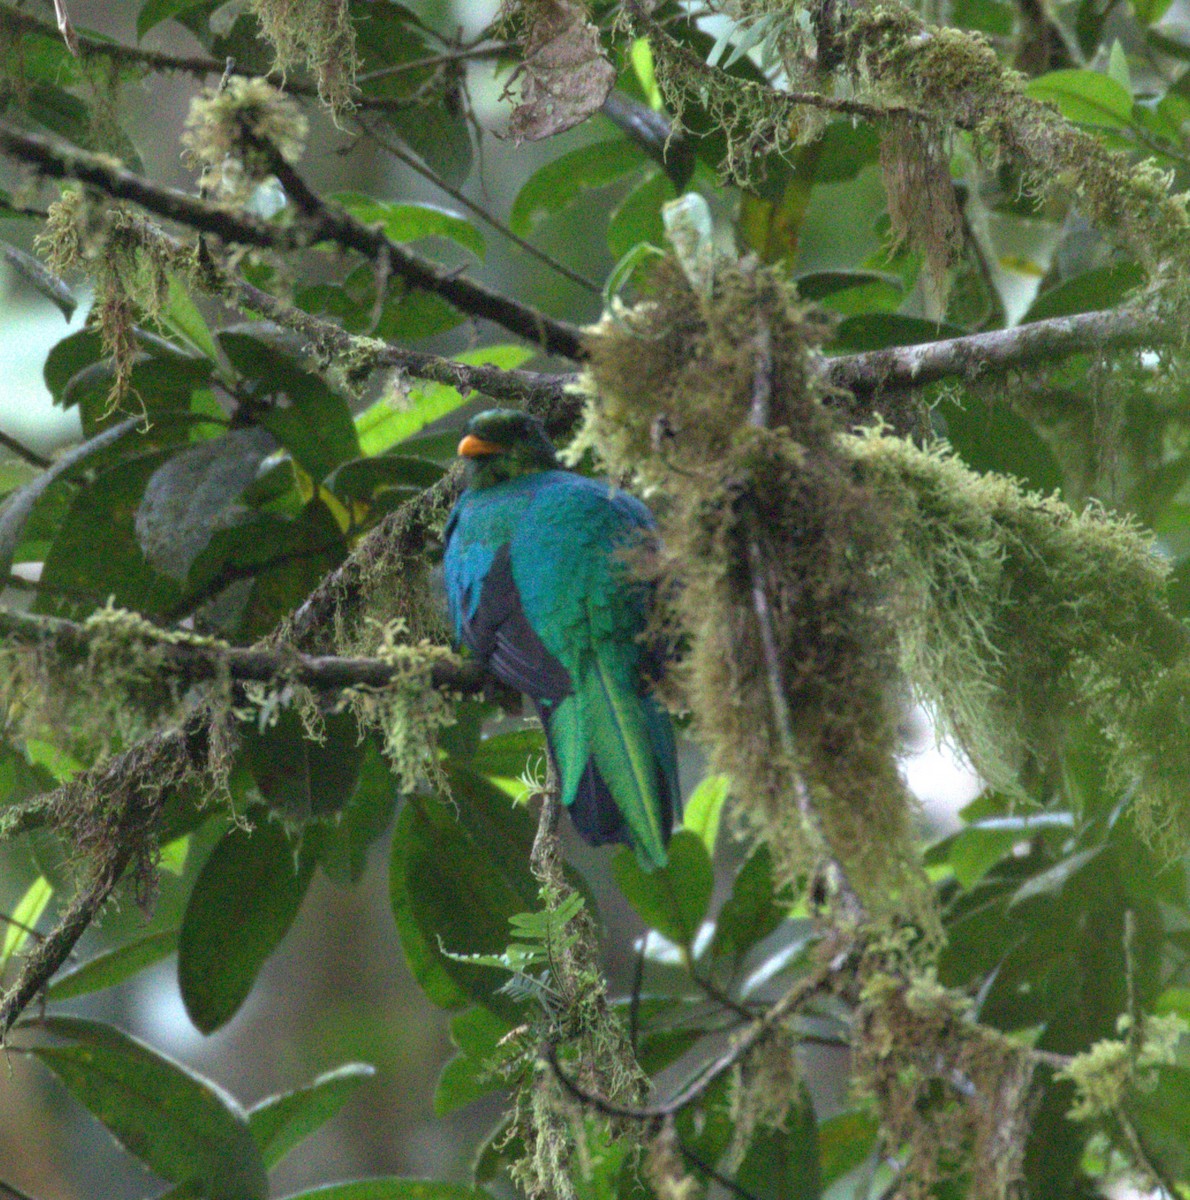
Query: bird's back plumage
(539, 587)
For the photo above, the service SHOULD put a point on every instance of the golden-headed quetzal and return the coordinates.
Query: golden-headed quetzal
(539, 588)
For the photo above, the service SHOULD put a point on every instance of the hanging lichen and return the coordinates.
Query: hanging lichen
(317, 34)
(1016, 615)
(953, 1096)
(776, 511)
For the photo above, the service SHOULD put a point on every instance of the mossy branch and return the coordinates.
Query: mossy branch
(192, 658)
(57, 160)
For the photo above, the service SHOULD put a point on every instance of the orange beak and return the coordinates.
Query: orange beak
(473, 447)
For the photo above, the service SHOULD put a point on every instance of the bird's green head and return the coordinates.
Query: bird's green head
(501, 444)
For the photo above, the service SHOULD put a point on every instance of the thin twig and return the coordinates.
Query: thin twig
(22, 451)
(26, 929)
(758, 1031)
(412, 162)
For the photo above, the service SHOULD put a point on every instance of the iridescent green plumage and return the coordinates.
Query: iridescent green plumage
(540, 587)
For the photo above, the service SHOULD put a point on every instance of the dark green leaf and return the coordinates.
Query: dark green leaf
(306, 416)
(297, 776)
(465, 877)
(366, 478)
(182, 1126)
(507, 755)
(553, 187)
(782, 1164)
(470, 1074)
(1162, 1118)
(844, 1142)
(40, 278)
(991, 437)
(753, 910)
(637, 218)
(114, 966)
(244, 901)
(153, 12)
(195, 492)
(672, 899)
(80, 565)
(342, 845)
(279, 1123)
(1054, 879)
(421, 953)
(875, 331)
(1104, 287)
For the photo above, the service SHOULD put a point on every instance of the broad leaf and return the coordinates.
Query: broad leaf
(279, 1123)
(672, 899)
(244, 901)
(114, 966)
(179, 1124)
(561, 181)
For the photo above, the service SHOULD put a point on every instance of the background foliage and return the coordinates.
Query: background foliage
(267, 415)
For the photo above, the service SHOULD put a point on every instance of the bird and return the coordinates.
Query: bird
(539, 588)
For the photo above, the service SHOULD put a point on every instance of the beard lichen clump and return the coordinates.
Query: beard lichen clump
(764, 508)
(317, 34)
(1018, 618)
(232, 131)
(953, 1096)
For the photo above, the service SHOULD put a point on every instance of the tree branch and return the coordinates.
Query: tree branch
(999, 351)
(323, 223)
(196, 659)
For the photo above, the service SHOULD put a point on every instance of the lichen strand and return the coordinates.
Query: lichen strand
(229, 131)
(955, 78)
(753, 119)
(952, 1095)
(672, 384)
(317, 34)
(1016, 615)
(129, 265)
(915, 162)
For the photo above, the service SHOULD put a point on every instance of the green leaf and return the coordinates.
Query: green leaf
(25, 916)
(471, 1073)
(297, 776)
(181, 314)
(194, 493)
(508, 755)
(153, 12)
(844, 1142)
(342, 845)
(410, 222)
(753, 910)
(18, 506)
(992, 437)
(367, 478)
(704, 807)
(465, 877)
(421, 952)
(382, 425)
(875, 331)
(81, 570)
(561, 181)
(114, 966)
(279, 1123)
(307, 417)
(392, 1189)
(39, 277)
(179, 1124)
(244, 901)
(1162, 1118)
(1085, 96)
(782, 1164)
(1103, 287)
(672, 899)
(1053, 880)
(637, 218)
